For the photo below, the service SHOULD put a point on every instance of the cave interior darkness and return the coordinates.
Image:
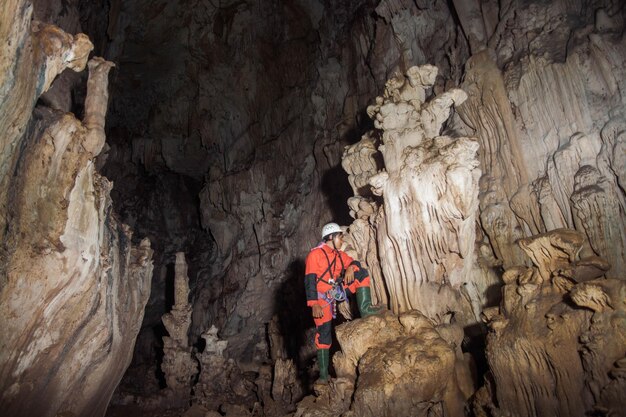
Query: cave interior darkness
(154, 113)
(233, 133)
(160, 199)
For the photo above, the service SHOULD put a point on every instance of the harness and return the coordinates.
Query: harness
(337, 292)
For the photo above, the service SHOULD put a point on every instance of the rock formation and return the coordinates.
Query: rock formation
(556, 345)
(390, 365)
(286, 387)
(224, 139)
(72, 286)
(178, 364)
(547, 122)
(34, 54)
(425, 229)
(221, 384)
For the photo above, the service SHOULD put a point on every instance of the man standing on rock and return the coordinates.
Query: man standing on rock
(331, 276)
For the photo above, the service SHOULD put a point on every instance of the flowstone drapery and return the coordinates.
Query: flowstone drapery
(555, 161)
(424, 231)
(556, 346)
(178, 365)
(41, 53)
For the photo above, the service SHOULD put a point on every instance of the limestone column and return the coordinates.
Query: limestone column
(178, 364)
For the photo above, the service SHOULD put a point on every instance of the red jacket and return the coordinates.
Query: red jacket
(324, 264)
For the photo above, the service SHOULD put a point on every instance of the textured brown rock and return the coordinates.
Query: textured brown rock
(390, 365)
(32, 56)
(178, 365)
(221, 383)
(547, 355)
(73, 287)
(286, 389)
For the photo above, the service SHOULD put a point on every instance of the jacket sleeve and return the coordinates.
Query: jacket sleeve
(347, 261)
(310, 280)
(359, 272)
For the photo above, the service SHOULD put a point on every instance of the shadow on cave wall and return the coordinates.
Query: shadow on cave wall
(475, 341)
(337, 190)
(335, 185)
(363, 123)
(294, 317)
(296, 324)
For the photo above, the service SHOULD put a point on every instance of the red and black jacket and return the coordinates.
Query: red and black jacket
(324, 264)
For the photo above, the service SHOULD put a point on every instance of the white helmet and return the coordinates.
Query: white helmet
(330, 228)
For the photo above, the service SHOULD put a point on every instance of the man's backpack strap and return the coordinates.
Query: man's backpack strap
(329, 269)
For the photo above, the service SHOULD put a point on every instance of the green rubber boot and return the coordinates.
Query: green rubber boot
(323, 358)
(364, 302)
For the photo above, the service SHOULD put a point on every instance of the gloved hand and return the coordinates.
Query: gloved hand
(349, 276)
(318, 311)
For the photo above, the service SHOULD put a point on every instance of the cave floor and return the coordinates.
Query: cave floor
(133, 410)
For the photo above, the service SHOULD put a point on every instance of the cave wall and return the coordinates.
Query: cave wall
(72, 286)
(256, 103)
(225, 105)
(232, 118)
(546, 95)
(353, 54)
(544, 110)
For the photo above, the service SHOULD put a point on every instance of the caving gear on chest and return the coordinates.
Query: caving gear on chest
(331, 267)
(337, 292)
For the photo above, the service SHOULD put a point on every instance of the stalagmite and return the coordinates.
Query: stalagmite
(286, 389)
(179, 366)
(221, 384)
